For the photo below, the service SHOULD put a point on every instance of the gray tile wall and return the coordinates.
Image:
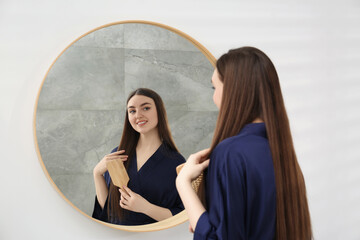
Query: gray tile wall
(81, 106)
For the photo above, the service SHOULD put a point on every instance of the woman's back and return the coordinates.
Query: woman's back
(240, 187)
(247, 90)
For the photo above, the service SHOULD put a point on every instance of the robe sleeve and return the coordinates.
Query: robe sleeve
(178, 208)
(176, 205)
(225, 217)
(99, 212)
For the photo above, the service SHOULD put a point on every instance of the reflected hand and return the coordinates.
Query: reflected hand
(194, 166)
(101, 168)
(132, 201)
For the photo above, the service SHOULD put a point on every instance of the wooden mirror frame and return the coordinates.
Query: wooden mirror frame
(161, 225)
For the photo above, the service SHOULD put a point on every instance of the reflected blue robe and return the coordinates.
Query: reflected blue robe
(155, 181)
(240, 189)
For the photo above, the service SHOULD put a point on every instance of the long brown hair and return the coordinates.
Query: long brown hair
(128, 142)
(251, 90)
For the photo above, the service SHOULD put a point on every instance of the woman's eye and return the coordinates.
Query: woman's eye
(146, 108)
(131, 111)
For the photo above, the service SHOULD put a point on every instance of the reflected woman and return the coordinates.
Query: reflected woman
(254, 187)
(150, 158)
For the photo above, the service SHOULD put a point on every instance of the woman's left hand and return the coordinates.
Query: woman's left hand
(132, 201)
(194, 166)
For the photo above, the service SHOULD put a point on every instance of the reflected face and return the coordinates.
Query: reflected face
(142, 114)
(218, 88)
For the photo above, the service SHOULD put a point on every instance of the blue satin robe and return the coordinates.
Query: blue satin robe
(155, 181)
(240, 189)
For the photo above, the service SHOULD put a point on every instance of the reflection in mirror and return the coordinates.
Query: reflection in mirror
(150, 158)
(80, 108)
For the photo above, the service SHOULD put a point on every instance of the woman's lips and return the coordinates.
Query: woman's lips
(141, 123)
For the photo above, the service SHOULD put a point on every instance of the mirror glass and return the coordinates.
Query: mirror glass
(81, 104)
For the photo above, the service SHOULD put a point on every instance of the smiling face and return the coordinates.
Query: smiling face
(218, 88)
(142, 114)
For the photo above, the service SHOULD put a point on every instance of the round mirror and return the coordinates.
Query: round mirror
(81, 105)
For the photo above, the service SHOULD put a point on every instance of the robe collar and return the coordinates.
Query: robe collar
(257, 129)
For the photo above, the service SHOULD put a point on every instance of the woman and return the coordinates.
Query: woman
(254, 186)
(151, 159)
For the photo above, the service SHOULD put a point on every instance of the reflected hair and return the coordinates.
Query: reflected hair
(251, 89)
(128, 142)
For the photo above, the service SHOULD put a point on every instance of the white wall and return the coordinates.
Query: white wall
(315, 47)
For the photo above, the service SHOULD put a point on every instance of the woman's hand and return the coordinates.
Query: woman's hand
(101, 168)
(132, 201)
(194, 166)
(99, 180)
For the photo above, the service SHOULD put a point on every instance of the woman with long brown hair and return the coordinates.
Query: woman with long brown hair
(254, 187)
(150, 158)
